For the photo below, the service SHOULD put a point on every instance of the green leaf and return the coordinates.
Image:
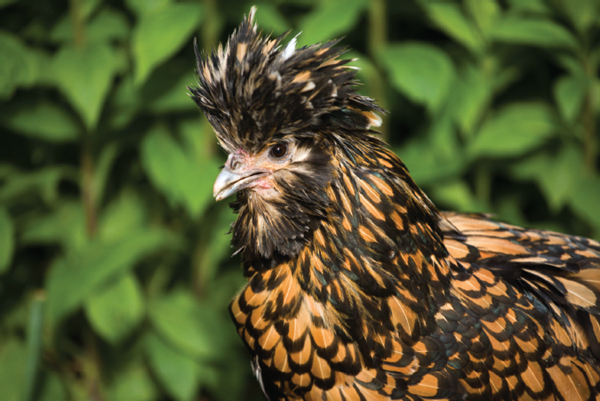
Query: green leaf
(456, 195)
(103, 166)
(437, 156)
(510, 209)
(107, 25)
(84, 74)
(420, 71)
(43, 183)
(449, 18)
(74, 278)
(584, 199)
(582, 13)
(561, 176)
(219, 246)
(231, 383)
(194, 138)
(268, 15)
(52, 388)
(5, 3)
(180, 319)
(531, 167)
(44, 121)
(116, 310)
(124, 215)
(513, 130)
(429, 165)
(147, 6)
(7, 240)
(531, 6)
(13, 355)
(557, 175)
(65, 225)
(484, 13)
(572, 63)
(18, 66)
(471, 98)
(88, 7)
(175, 371)
(43, 59)
(132, 384)
(328, 20)
(442, 133)
(569, 94)
(536, 32)
(176, 98)
(183, 177)
(502, 76)
(124, 105)
(160, 33)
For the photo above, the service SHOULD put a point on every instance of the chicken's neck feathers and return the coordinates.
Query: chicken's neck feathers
(378, 238)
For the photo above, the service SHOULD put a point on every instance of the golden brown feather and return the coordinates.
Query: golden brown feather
(358, 288)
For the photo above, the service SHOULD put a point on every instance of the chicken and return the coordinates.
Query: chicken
(358, 288)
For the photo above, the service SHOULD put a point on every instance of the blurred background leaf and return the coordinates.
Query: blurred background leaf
(7, 240)
(84, 74)
(160, 32)
(115, 266)
(420, 71)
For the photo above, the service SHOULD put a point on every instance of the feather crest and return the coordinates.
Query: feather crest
(255, 89)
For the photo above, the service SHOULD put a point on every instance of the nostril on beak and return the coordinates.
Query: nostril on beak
(235, 164)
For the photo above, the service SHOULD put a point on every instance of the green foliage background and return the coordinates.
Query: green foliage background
(115, 267)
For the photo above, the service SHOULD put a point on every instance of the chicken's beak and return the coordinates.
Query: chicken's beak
(229, 182)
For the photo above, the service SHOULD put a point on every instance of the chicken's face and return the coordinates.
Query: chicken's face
(252, 172)
(260, 172)
(280, 194)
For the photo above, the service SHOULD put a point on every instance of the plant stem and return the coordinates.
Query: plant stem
(90, 358)
(86, 158)
(588, 119)
(201, 270)
(87, 188)
(34, 344)
(91, 366)
(376, 40)
(210, 30)
(78, 23)
(211, 26)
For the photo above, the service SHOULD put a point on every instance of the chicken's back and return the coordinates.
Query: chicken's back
(525, 317)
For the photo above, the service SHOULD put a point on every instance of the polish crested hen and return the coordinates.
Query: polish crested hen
(358, 288)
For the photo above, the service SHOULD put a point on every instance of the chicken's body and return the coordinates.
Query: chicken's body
(358, 288)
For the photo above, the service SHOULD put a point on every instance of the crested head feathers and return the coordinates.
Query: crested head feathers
(255, 90)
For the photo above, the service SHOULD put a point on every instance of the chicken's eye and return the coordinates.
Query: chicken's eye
(278, 150)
